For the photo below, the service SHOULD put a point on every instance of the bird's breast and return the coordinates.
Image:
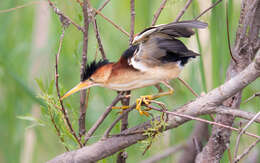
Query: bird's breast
(128, 79)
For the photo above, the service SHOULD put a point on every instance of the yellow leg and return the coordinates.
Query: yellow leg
(147, 99)
(121, 107)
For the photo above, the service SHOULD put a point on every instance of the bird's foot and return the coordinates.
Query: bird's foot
(144, 100)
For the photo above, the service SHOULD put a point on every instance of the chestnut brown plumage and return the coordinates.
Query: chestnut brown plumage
(156, 56)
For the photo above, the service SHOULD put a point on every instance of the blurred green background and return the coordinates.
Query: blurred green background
(28, 44)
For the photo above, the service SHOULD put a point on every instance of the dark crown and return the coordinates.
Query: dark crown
(92, 67)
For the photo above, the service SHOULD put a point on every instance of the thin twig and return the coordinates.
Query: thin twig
(250, 98)
(110, 21)
(183, 11)
(100, 45)
(132, 26)
(242, 131)
(63, 16)
(104, 4)
(122, 155)
(196, 18)
(158, 12)
(106, 134)
(82, 116)
(228, 34)
(57, 129)
(21, 6)
(246, 151)
(101, 118)
(202, 120)
(58, 91)
(161, 155)
(187, 85)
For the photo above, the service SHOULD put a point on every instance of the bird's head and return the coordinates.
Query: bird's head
(95, 74)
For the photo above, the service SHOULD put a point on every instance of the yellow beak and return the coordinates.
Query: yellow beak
(81, 86)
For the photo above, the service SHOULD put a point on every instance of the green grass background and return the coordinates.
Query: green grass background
(19, 91)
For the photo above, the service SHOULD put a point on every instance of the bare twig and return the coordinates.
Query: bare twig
(228, 34)
(238, 158)
(104, 4)
(57, 129)
(82, 116)
(106, 134)
(110, 21)
(100, 45)
(101, 118)
(63, 16)
(196, 18)
(183, 11)
(158, 12)
(193, 145)
(122, 155)
(94, 22)
(250, 98)
(21, 6)
(132, 20)
(187, 86)
(58, 91)
(164, 154)
(242, 131)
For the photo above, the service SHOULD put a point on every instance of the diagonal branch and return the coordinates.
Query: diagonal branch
(158, 12)
(183, 11)
(205, 11)
(110, 21)
(64, 111)
(63, 16)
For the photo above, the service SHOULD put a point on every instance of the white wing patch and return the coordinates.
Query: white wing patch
(136, 63)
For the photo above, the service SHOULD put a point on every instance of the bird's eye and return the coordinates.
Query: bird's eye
(91, 79)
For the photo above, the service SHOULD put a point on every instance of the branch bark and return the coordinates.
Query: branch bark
(202, 105)
(82, 116)
(244, 51)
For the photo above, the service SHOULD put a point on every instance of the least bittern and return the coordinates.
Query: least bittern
(156, 56)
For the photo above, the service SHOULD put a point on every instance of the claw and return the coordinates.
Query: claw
(146, 100)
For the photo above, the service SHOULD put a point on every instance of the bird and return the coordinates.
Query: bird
(155, 56)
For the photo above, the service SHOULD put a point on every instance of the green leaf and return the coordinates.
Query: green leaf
(50, 89)
(27, 118)
(40, 85)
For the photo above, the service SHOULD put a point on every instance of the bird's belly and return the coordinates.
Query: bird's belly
(130, 85)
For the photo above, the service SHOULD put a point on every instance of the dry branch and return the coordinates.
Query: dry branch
(202, 105)
(164, 154)
(244, 51)
(63, 16)
(158, 12)
(64, 111)
(82, 113)
(183, 11)
(101, 118)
